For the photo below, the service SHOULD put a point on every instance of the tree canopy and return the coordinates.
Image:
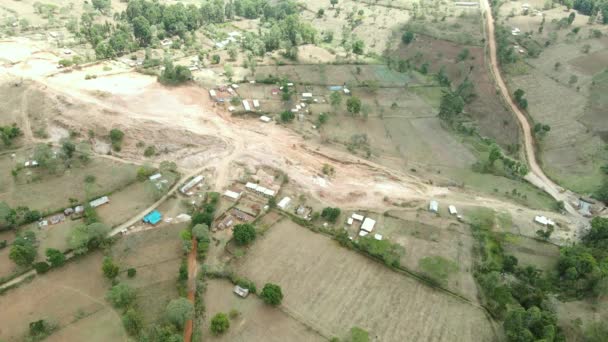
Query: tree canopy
(84, 237)
(219, 323)
(244, 234)
(179, 311)
(24, 250)
(121, 295)
(272, 294)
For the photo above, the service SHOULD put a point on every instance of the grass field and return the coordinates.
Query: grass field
(156, 255)
(73, 297)
(256, 322)
(334, 289)
(47, 192)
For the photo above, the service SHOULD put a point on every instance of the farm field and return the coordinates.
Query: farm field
(257, 321)
(321, 282)
(73, 297)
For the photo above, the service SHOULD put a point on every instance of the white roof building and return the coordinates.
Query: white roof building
(363, 233)
(264, 118)
(100, 201)
(260, 189)
(246, 105)
(434, 206)
(241, 291)
(284, 203)
(155, 176)
(357, 217)
(306, 95)
(349, 221)
(256, 104)
(212, 92)
(452, 210)
(232, 195)
(368, 224)
(235, 86)
(193, 182)
(544, 221)
(378, 237)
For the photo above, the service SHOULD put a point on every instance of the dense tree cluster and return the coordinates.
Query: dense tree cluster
(592, 7)
(272, 294)
(330, 214)
(174, 75)
(9, 133)
(24, 249)
(244, 234)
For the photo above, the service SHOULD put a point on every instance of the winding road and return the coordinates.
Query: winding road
(536, 176)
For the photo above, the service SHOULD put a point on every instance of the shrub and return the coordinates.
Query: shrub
(42, 267)
(219, 323)
(272, 294)
(131, 272)
(132, 321)
(174, 75)
(179, 311)
(407, 37)
(150, 151)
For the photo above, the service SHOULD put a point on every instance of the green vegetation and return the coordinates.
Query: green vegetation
(85, 237)
(583, 268)
(121, 295)
(407, 37)
(287, 116)
(358, 335)
(42, 267)
(335, 99)
(219, 323)
(353, 105)
(437, 268)
(116, 137)
(9, 133)
(12, 218)
(24, 249)
(179, 311)
(272, 294)
(389, 253)
(520, 99)
(109, 268)
(330, 214)
(174, 75)
(39, 330)
(131, 272)
(244, 234)
(55, 257)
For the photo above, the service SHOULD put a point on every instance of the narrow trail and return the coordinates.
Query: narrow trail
(536, 176)
(192, 272)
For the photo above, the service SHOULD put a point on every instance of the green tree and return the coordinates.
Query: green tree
(109, 268)
(116, 137)
(571, 18)
(333, 3)
(23, 251)
(330, 214)
(132, 321)
(335, 99)
(287, 116)
(358, 47)
(272, 294)
(68, 148)
(201, 231)
(131, 272)
(84, 237)
(353, 105)
(244, 234)
(495, 154)
(121, 295)
(101, 5)
(219, 323)
(407, 37)
(179, 311)
(142, 30)
(174, 75)
(55, 257)
(450, 106)
(42, 267)
(45, 157)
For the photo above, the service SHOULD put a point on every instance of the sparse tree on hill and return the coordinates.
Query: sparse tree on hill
(219, 324)
(132, 321)
(272, 294)
(333, 3)
(335, 99)
(287, 116)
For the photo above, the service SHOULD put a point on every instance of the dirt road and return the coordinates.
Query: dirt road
(536, 176)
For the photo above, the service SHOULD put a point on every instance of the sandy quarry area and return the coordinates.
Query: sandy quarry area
(207, 135)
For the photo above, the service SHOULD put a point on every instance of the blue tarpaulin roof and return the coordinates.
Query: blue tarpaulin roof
(153, 217)
(335, 88)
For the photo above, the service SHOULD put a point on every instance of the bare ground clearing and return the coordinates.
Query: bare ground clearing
(333, 289)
